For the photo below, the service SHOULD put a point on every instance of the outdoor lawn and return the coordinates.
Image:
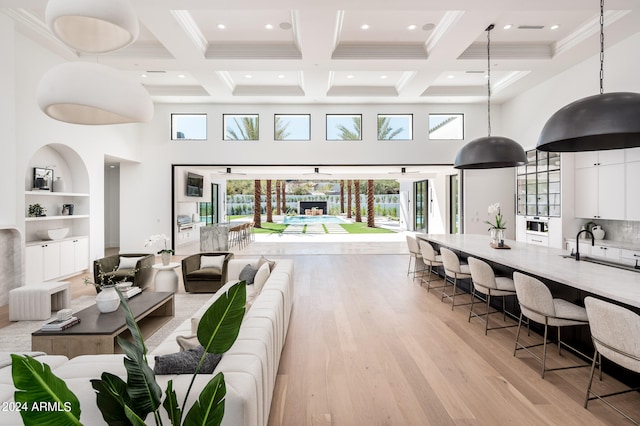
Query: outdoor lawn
(351, 228)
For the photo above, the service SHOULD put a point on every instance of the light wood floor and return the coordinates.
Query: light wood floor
(369, 346)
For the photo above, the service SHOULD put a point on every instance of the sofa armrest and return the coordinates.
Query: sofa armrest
(104, 265)
(144, 274)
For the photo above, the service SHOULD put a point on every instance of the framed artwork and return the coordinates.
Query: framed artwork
(42, 179)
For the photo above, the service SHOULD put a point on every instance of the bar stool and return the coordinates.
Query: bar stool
(453, 269)
(538, 305)
(414, 253)
(430, 260)
(614, 331)
(485, 282)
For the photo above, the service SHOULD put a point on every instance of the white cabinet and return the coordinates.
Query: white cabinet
(599, 158)
(629, 257)
(539, 240)
(600, 192)
(610, 253)
(632, 186)
(74, 256)
(42, 262)
(632, 154)
(49, 260)
(585, 247)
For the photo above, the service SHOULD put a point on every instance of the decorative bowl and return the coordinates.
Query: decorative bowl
(53, 234)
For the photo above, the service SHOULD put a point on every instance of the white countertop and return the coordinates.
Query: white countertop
(616, 284)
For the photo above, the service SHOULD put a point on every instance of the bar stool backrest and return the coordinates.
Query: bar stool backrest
(481, 274)
(427, 251)
(534, 297)
(412, 243)
(450, 261)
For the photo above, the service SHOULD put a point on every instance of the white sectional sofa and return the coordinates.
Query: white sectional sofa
(249, 367)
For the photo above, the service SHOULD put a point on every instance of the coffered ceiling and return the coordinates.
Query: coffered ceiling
(349, 51)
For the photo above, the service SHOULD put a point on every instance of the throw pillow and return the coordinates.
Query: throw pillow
(248, 274)
(187, 342)
(128, 262)
(263, 260)
(186, 362)
(214, 262)
(261, 277)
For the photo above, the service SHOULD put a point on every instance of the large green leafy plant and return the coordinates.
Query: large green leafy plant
(131, 402)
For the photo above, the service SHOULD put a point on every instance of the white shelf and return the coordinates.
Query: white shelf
(57, 194)
(43, 218)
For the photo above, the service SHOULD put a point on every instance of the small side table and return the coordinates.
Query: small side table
(166, 277)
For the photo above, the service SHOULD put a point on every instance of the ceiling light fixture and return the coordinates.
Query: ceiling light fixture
(428, 27)
(350, 76)
(221, 26)
(599, 122)
(411, 27)
(87, 93)
(96, 26)
(364, 26)
(280, 75)
(269, 26)
(555, 27)
(450, 76)
(181, 76)
(508, 26)
(383, 77)
(490, 152)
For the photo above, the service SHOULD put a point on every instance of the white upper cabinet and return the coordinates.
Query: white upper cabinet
(633, 200)
(599, 158)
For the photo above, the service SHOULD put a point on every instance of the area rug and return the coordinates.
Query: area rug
(17, 336)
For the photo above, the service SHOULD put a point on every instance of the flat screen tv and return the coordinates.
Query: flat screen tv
(195, 185)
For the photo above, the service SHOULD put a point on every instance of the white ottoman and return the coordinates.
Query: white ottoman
(36, 301)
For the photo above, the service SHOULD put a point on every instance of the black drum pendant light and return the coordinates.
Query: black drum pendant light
(604, 121)
(491, 152)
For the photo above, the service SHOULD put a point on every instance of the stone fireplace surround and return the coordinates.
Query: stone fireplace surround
(11, 270)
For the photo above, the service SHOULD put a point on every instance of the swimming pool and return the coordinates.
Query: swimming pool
(289, 220)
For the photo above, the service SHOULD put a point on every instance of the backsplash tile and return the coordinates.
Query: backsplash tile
(621, 230)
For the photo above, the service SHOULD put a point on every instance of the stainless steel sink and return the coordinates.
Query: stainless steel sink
(601, 262)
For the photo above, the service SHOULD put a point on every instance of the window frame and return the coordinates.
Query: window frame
(341, 115)
(224, 126)
(193, 114)
(409, 115)
(308, 116)
(450, 114)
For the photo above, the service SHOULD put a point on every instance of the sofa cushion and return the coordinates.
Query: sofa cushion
(118, 275)
(263, 260)
(187, 342)
(204, 274)
(261, 276)
(186, 362)
(128, 262)
(212, 262)
(248, 274)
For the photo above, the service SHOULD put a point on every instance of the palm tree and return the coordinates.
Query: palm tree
(278, 197)
(385, 132)
(349, 199)
(257, 195)
(284, 197)
(341, 196)
(281, 132)
(356, 185)
(248, 128)
(371, 223)
(269, 207)
(355, 134)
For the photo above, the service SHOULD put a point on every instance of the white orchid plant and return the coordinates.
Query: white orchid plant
(499, 223)
(159, 239)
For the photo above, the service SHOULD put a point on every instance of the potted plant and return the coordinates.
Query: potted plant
(36, 210)
(498, 226)
(165, 252)
(130, 402)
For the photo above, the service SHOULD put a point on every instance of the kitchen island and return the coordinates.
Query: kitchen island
(548, 264)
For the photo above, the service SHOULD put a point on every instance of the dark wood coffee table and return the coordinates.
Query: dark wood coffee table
(96, 333)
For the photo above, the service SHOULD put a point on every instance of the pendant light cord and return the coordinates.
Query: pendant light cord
(601, 46)
(489, 28)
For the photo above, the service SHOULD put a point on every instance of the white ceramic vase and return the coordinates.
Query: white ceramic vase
(108, 300)
(598, 232)
(166, 258)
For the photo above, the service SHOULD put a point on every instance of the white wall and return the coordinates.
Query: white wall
(9, 187)
(482, 188)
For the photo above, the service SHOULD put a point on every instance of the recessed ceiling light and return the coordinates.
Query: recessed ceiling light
(428, 27)
(508, 26)
(143, 76)
(364, 27)
(383, 77)
(350, 76)
(269, 26)
(555, 27)
(280, 75)
(221, 26)
(180, 75)
(411, 27)
(248, 76)
(450, 76)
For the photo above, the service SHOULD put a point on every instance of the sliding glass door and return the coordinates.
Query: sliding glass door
(421, 206)
(454, 205)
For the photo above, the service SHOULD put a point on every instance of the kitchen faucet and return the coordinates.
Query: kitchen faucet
(578, 241)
